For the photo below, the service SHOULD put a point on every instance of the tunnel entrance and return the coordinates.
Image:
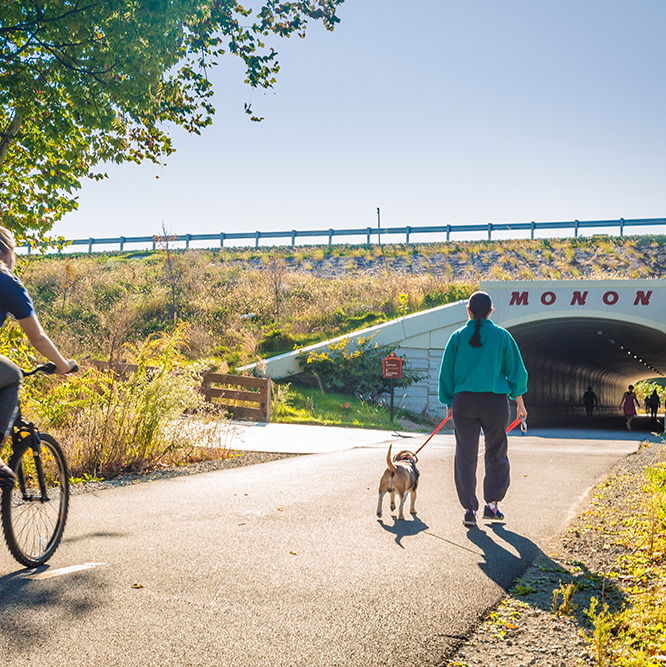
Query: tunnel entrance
(564, 356)
(606, 334)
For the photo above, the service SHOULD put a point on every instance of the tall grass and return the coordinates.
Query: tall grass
(109, 424)
(94, 304)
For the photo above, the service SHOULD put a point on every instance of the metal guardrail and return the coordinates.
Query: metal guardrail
(369, 232)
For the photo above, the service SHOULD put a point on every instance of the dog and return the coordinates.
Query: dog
(401, 477)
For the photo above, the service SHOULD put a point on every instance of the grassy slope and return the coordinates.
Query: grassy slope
(241, 303)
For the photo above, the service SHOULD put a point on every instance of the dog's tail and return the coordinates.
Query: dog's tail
(389, 463)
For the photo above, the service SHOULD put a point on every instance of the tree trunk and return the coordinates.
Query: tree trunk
(8, 136)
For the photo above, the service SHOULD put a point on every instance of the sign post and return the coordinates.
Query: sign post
(392, 370)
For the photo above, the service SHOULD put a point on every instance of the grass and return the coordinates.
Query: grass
(302, 405)
(94, 304)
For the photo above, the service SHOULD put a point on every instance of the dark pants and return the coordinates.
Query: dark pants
(10, 383)
(471, 413)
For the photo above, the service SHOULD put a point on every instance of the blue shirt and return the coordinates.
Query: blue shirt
(495, 367)
(14, 298)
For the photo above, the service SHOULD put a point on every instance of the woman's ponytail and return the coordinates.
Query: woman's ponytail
(480, 305)
(475, 340)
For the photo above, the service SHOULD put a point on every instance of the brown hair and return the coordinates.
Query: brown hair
(480, 304)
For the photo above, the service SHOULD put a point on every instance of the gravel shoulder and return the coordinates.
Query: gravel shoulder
(530, 628)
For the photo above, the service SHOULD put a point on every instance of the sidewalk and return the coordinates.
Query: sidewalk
(312, 439)
(308, 438)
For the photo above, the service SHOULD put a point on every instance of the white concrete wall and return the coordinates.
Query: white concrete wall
(420, 340)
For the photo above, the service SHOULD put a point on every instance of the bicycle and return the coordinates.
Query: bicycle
(34, 512)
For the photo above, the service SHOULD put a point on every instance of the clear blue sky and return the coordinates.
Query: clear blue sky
(438, 112)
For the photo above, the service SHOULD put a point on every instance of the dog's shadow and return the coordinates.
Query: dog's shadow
(403, 528)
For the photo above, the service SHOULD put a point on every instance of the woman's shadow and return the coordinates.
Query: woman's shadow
(501, 564)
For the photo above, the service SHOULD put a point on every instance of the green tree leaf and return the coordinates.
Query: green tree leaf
(82, 84)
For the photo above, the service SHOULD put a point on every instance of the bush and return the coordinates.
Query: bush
(108, 424)
(356, 372)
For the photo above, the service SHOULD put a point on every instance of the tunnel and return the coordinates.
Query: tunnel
(565, 355)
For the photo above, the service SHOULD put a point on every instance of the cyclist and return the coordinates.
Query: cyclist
(15, 299)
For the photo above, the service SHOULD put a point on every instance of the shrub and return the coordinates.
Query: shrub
(108, 424)
(355, 372)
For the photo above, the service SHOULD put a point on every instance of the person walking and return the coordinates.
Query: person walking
(480, 371)
(629, 404)
(15, 299)
(590, 401)
(652, 403)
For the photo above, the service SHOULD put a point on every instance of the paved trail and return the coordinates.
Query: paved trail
(285, 564)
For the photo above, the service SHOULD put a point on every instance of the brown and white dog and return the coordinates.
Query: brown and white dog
(401, 477)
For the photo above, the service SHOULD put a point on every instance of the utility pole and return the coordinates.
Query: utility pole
(379, 226)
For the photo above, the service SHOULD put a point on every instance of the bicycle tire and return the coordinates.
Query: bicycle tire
(33, 527)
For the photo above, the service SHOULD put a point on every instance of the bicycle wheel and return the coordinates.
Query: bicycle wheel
(34, 514)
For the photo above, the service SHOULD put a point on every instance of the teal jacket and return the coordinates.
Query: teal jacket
(495, 367)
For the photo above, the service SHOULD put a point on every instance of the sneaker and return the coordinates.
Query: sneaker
(470, 518)
(7, 476)
(492, 513)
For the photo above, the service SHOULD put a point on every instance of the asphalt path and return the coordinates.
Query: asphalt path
(285, 563)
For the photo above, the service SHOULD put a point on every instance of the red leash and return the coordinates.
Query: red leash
(433, 433)
(512, 425)
(515, 422)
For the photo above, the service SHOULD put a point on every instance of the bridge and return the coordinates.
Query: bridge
(603, 333)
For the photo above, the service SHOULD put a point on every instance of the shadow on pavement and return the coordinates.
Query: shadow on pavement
(403, 528)
(537, 587)
(22, 625)
(501, 564)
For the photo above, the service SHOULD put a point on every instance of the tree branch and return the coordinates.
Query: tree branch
(8, 136)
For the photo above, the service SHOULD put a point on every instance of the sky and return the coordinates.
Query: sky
(437, 112)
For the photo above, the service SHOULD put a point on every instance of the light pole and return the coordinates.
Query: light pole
(379, 226)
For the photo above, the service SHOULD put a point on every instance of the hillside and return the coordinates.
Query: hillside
(240, 303)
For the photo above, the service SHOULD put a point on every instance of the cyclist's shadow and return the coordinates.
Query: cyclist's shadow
(21, 596)
(502, 565)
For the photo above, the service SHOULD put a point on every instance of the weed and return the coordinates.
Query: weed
(523, 588)
(566, 593)
(603, 623)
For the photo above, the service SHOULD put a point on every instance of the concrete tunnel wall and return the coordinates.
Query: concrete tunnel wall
(606, 334)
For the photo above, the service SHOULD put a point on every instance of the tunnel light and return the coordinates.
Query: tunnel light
(600, 333)
(610, 340)
(622, 347)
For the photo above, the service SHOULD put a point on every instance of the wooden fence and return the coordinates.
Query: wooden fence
(243, 396)
(237, 391)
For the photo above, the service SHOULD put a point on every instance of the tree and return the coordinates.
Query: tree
(83, 82)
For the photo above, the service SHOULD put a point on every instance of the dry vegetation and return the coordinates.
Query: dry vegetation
(240, 303)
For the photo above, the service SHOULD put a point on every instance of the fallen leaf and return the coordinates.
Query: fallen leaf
(294, 553)
(137, 586)
(279, 509)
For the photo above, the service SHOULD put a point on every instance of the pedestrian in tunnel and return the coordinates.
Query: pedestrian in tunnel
(590, 401)
(481, 370)
(629, 404)
(652, 403)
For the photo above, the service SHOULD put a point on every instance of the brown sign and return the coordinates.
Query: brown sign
(392, 367)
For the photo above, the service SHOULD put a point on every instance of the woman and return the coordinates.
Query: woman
(629, 404)
(481, 370)
(15, 299)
